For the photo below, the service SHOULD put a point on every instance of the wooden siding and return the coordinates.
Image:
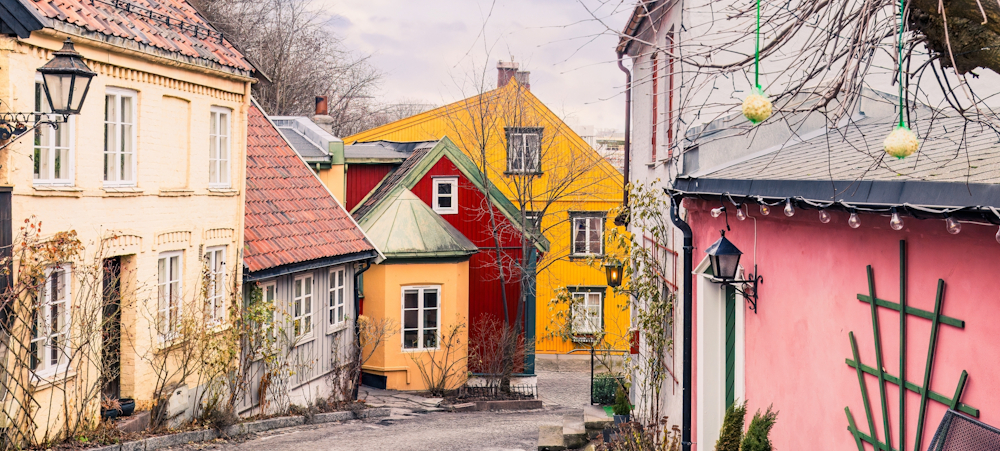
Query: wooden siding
(361, 179)
(596, 188)
(311, 358)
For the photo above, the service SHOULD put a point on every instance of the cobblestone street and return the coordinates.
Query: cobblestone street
(565, 389)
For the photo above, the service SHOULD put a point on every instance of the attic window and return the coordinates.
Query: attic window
(524, 150)
(446, 195)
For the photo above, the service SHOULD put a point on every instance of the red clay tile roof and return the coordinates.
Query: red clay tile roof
(290, 216)
(180, 36)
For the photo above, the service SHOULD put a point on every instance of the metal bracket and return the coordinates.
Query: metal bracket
(748, 287)
(15, 125)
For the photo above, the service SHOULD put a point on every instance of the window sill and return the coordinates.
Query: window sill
(338, 327)
(176, 193)
(420, 350)
(51, 378)
(446, 212)
(224, 192)
(580, 257)
(514, 173)
(46, 190)
(122, 191)
(305, 339)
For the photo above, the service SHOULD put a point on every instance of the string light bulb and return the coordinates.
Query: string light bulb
(824, 216)
(789, 209)
(854, 221)
(740, 214)
(765, 210)
(716, 212)
(896, 222)
(952, 225)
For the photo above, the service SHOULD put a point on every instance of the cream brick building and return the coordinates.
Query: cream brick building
(150, 173)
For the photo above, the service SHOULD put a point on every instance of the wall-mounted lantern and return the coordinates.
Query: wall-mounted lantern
(613, 270)
(724, 259)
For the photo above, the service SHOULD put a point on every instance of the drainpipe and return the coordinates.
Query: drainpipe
(357, 325)
(686, 378)
(628, 130)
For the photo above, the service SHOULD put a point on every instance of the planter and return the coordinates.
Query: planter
(128, 406)
(621, 419)
(110, 414)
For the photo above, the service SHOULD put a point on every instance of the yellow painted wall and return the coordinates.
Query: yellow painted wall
(383, 285)
(171, 207)
(335, 180)
(585, 181)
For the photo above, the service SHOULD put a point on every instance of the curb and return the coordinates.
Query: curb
(509, 405)
(183, 438)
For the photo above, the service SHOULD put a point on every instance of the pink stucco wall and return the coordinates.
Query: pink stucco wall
(797, 343)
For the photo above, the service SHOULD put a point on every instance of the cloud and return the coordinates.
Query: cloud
(429, 49)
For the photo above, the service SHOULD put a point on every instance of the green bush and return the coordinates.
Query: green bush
(604, 388)
(732, 428)
(756, 438)
(622, 405)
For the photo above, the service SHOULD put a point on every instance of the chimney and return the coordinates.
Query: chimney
(505, 71)
(321, 106)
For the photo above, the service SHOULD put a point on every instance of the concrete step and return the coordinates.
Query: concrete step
(574, 433)
(595, 418)
(550, 437)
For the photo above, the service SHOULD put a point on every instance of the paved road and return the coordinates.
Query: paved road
(562, 393)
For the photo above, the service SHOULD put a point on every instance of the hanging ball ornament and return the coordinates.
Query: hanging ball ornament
(901, 143)
(757, 107)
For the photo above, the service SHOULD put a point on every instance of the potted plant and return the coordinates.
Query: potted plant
(621, 408)
(111, 407)
(757, 437)
(127, 406)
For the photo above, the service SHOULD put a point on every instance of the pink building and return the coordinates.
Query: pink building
(814, 320)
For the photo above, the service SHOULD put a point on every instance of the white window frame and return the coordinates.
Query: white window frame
(518, 145)
(587, 317)
(453, 182)
(117, 124)
(421, 308)
(588, 228)
(55, 339)
(336, 299)
(276, 316)
(215, 302)
(68, 163)
(169, 295)
(302, 307)
(220, 142)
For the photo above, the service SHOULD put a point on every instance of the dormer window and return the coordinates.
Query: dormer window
(446, 195)
(524, 150)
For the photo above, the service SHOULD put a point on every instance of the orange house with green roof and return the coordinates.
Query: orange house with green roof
(560, 185)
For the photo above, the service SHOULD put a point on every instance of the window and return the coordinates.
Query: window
(587, 318)
(446, 195)
(588, 234)
(119, 137)
(48, 340)
(168, 286)
(53, 146)
(421, 316)
(533, 219)
(218, 149)
(302, 306)
(338, 295)
(269, 293)
(524, 150)
(656, 105)
(215, 262)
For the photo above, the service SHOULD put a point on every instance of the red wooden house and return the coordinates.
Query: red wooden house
(444, 178)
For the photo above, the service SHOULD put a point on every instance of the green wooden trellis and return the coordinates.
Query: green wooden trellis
(884, 376)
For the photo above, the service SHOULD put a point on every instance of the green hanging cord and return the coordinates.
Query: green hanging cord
(756, 63)
(901, 6)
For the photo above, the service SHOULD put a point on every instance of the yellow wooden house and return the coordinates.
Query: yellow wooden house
(559, 183)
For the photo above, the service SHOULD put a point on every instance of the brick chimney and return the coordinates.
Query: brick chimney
(321, 106)
(322, 117)
(505, 71)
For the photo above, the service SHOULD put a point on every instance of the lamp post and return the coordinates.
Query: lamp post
(66, 81)
(724, 259)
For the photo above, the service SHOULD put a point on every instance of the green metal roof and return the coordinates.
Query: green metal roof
(403, 226)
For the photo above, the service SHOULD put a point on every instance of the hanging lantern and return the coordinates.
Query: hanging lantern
(757, 107)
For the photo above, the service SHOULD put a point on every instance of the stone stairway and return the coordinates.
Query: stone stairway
(575, 431)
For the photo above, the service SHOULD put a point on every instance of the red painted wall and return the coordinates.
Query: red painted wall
(485, 297)
(362, 179)
(797, 343)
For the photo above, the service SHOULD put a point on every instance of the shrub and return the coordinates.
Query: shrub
(604, 388)
(732, 428)
(756, 438)
(622, 406)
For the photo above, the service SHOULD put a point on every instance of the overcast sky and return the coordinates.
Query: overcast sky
(429, 49)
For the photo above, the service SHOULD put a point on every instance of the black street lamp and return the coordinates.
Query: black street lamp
(613, 270)
(65, 80)
(724, 259)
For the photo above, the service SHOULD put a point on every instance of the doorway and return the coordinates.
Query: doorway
(111, 328)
